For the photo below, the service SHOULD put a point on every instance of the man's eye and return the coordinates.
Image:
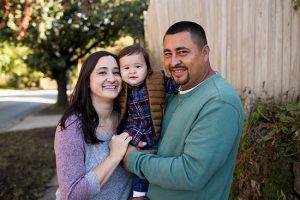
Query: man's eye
(182, 52)
(167, 54)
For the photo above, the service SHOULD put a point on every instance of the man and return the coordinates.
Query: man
(201, 126)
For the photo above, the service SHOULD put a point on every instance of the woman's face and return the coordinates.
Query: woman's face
(105, 79)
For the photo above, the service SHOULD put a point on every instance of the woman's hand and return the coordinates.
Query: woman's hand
(118, 145)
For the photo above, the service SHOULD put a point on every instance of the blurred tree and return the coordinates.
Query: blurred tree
(17, 73)
(60, 33)
(296, 4)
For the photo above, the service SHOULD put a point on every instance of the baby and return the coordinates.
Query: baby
(142, 103)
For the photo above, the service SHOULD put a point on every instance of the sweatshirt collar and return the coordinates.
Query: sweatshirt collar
(187, 91)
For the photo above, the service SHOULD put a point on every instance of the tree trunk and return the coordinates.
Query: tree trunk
(61, 80)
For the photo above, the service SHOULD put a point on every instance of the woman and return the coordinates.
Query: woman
(88, 154)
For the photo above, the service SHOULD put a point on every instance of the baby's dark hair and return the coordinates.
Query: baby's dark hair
(136, 49)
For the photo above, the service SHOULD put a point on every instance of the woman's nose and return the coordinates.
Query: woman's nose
(111, 77)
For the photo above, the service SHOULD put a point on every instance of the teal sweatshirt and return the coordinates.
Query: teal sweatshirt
(199, 141)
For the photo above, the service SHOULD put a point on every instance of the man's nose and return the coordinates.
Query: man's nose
(174, 61)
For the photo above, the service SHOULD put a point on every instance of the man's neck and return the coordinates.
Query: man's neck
(207, 76)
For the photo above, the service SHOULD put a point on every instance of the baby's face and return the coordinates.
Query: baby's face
(133, 69)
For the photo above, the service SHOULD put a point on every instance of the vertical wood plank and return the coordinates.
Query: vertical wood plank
(248, 30)
(229, 41)
(270, 87)
(164, 21)
(211, 29)
(286, 56)
(239, 50)
(223, 38)
(261, 46)
(217, 35)
(295, 55)
(233, 66)
(278, 67)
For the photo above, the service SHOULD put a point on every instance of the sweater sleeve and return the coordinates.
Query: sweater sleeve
(70, 163)
(213, 136)
(170, 85)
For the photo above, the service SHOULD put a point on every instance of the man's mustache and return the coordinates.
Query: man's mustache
(178, 66)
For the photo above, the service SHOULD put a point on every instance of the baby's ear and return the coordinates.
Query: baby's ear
(150, 72)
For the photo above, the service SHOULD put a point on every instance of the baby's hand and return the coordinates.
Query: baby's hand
(141, 144)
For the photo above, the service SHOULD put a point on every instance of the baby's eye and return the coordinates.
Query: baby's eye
(138, 66)
(125, 68)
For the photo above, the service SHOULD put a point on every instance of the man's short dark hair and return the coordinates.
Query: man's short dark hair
(197, 32)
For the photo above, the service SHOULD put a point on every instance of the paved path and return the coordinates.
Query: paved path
(37, 121)
(51, 189)
(15, 105)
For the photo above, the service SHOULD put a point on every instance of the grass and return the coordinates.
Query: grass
(27, 163)
(27, 160)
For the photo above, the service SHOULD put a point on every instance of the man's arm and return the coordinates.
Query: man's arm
(212, 138)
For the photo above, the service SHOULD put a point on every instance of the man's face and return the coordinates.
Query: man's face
(184, 61)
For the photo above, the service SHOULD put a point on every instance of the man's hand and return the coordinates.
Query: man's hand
(129, 149)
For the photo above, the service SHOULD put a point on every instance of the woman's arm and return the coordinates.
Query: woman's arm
(118, 146)
(74, 182)
(70, 163)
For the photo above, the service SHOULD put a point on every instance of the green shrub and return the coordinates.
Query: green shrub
(269, 145)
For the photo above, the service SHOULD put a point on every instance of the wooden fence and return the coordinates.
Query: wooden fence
(255, 44)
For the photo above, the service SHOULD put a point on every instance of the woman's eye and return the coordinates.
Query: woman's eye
(102, 73)
(116, 73)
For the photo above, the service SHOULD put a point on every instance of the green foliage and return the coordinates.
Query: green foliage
(133, 14)
(269, 145)
(296, 4)
(17, 73)
(60, 33)
(12, 58)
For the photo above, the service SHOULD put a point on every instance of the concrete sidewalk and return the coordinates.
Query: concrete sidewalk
(36, 121)
(51, 189)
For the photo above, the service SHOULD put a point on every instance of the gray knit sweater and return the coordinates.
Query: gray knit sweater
(74, 163)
